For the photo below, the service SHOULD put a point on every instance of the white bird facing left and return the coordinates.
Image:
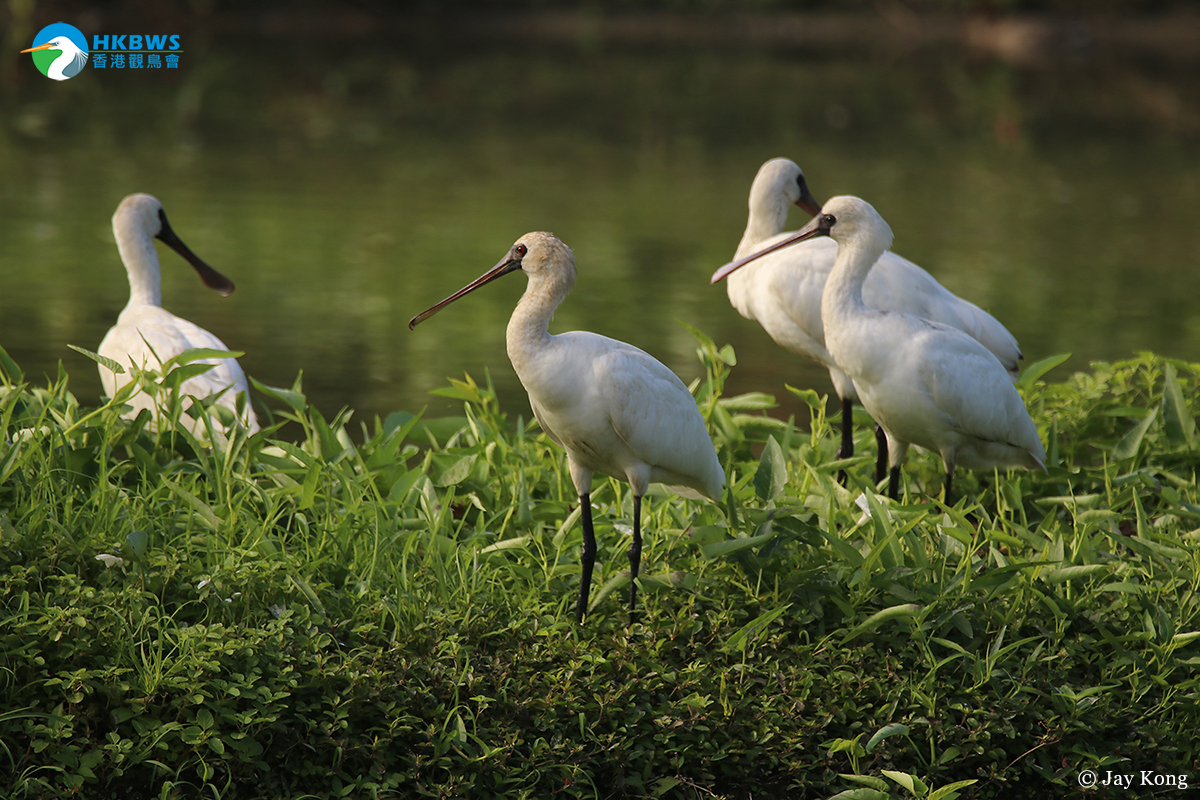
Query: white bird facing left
(615, 409)
(147, 335)
(782, 290)
(925, 383)
(69, 62)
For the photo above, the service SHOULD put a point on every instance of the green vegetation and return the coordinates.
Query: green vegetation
(384, 609)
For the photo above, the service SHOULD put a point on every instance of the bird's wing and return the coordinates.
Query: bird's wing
(897, 284)
(970, 385)
(656, 416)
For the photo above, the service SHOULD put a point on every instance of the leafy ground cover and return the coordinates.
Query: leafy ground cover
(383, 608)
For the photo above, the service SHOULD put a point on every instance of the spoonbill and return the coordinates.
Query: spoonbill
(147, 335)
(782, 290)
(926, 383)
(69, 61)
(615, 409)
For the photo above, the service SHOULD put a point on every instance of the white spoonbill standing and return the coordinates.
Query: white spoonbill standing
(925, 383)
(614, 408)
(69, 62)
(147, 335)
(782, 290)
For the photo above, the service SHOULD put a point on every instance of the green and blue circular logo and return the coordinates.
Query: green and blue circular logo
(59, 51)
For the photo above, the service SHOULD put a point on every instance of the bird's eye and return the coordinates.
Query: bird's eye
(520, 250)
(829, 219)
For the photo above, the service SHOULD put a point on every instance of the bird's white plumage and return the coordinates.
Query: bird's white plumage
(614, 408)
(618, 411)
(147, 335)
(925, 383)
(782, 290)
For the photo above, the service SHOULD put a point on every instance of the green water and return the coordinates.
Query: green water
(347, 186)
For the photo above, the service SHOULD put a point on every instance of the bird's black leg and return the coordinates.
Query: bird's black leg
(587, 556)
(881, 460)
(946, 495)
(894, 483)
(847, 448)
(635, 556)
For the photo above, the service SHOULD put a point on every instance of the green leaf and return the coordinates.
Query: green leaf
(904, 611)
(1178, 422)
(515, 543)
(202, 509)
(664, 785)
(892, 729)
(197, 354)
(727, 546)
(185, 372)
(138, 542)
(751, 401)
(12, 373)
(699, 336)
(1132, 441)
(772, 471)
(308, 492)
(289, 397)
(950, 790)
(1074, 572)
(103, 361)
(754, 628)
(861, 793)
(457, 472)
(810, 396)
(1039, 368)
(902, 778)
(610, 586)
(867, 780)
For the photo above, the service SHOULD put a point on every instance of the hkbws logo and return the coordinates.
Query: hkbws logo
(132, 51)
(60, 51)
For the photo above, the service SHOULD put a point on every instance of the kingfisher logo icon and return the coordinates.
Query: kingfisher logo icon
(59, 51)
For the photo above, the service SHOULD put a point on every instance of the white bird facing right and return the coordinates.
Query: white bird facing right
(925, 383)
(147, 335)
(69, 62)
(782, 290)
(614, 408)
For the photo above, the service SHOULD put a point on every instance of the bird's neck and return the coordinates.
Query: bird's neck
(765, 220)
(842, 297)
(529, 327)
(141, 262)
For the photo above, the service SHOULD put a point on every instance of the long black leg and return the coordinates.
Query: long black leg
(635, 556)
(587, 556)
(881, 460)
(946, 496)
(894, 484)
(847, 448)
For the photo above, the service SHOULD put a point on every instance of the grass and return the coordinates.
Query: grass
(384, 608)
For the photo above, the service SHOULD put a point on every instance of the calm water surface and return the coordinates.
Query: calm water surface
(347, 187)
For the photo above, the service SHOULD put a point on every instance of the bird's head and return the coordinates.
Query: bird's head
(539, 255)
(780, 179)
(144, 214)
(62, 43)
(844, 219)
